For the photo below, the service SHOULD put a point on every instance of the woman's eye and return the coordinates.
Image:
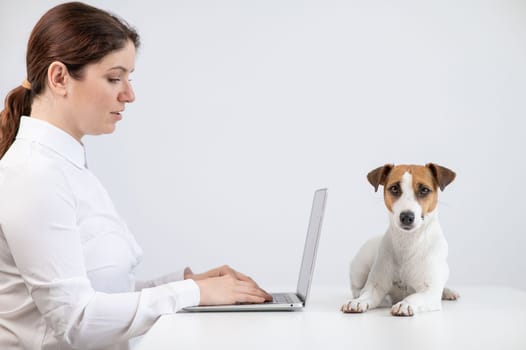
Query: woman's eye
(114, 80)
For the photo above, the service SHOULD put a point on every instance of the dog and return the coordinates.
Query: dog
(407, 266)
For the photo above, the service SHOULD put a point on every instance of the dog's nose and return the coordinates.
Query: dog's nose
(407, 218)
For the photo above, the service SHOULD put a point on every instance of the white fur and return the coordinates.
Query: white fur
(407, 268)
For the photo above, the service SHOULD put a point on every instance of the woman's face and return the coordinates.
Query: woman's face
(96, 101)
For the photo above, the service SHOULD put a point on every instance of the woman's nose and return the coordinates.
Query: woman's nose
(127, 95)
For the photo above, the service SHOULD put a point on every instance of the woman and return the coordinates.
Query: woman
(66, 257)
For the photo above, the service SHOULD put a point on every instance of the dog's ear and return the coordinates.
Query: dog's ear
(442, 175)
(378, 176)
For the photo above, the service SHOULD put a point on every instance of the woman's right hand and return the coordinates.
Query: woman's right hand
(228, 288)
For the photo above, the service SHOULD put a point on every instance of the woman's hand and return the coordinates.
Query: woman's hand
(224, 285)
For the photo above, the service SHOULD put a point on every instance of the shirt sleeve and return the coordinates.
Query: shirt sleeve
(171, 277)
(39, 224)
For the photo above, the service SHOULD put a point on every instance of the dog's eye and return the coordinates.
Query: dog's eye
(423, 191)
(395, 190)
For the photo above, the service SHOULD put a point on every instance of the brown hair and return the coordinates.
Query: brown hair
(73, 33)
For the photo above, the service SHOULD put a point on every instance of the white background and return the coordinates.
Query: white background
(244, 108)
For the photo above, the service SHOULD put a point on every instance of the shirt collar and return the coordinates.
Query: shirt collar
(56, 139)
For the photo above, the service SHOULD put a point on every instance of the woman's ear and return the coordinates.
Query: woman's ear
(57, 78)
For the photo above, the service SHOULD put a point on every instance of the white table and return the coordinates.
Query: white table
(484, 318)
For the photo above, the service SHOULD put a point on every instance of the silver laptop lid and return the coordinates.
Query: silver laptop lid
(311, 244)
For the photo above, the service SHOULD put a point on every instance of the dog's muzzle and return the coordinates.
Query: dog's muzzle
(407, 218)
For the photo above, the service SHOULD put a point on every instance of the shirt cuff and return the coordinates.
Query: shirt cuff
(162, 300)
(171, 297)
(188, 291)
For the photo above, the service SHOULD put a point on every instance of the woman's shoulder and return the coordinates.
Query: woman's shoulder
(22, 165)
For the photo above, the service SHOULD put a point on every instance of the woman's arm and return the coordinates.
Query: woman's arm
(39, 222)
(171, 277)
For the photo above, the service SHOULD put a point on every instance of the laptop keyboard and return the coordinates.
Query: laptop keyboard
(283, 298)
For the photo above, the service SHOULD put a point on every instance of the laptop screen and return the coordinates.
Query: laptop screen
(311, 244)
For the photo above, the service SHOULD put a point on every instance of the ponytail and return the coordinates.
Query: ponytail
(17, 103)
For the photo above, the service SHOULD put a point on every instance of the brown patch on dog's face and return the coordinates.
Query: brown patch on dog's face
(424, 186)
(393, 186)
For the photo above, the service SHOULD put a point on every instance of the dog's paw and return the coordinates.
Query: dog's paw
(449, 294)
(355, 306)
(402, 309)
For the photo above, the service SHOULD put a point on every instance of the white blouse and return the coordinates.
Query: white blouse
(66, 257)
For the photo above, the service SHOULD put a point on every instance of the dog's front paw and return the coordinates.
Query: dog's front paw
(355, 306)
(402, 309)
(449, 294)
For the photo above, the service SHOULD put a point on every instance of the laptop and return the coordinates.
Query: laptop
(288, 301)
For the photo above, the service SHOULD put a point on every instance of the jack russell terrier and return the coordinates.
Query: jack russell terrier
(407, 266)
